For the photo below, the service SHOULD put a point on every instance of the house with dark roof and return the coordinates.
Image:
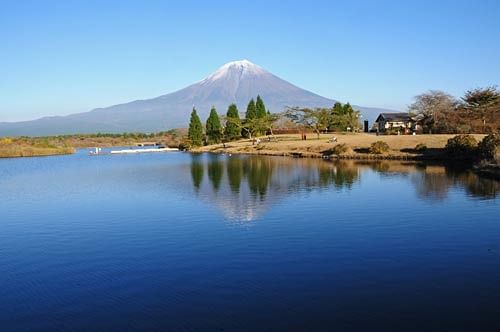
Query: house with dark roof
(394, 121)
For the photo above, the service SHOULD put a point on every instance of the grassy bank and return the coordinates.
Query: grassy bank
(171, 138)
(67, 144)
(32, 147)
(355, 146)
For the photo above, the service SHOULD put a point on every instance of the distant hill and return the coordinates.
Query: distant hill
(235, 82)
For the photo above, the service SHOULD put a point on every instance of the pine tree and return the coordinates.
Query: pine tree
(343, 117)
(260, 108)
(335, 121)
(195, 132)
(338, 109)
(213, 127)
(347, 108)
(251, 110)
(351, 117)
(232, 130)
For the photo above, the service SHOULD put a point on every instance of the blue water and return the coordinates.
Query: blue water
(179, 242)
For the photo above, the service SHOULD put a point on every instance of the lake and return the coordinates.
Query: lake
(181, 242)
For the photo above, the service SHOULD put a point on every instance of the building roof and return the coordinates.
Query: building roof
(399, 117)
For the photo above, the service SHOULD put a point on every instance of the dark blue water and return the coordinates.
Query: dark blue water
(175, 242)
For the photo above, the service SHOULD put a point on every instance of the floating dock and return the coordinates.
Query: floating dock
(128, 151)
(98, 151)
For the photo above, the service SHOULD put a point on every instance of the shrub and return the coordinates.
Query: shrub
(379, 147)
(391, 131)
(340, 149)
(421, 147)
(489, 146)
(461, 144)
(185, 145)
(5, 141)
(463, 129)
(44, 143)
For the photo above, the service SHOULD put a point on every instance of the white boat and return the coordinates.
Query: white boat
(96, 151)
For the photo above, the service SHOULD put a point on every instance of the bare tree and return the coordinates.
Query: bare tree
(316, 119)
(255, 125)
(432, 109)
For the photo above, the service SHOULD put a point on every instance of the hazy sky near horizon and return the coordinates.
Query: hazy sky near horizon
(62, 57)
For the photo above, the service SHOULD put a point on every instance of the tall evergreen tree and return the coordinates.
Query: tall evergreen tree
(251, 110)
(348, 109)
(260, 108)
(351, 117)
(337, 109)
(233, 123)
(195, 132)
(336, 119)
(213, 127)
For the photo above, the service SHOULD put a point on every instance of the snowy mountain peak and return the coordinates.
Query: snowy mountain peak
(235, 82)
(236, 69)
(241, 64)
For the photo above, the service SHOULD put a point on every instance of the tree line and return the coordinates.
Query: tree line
(477, 111)
(258, 121)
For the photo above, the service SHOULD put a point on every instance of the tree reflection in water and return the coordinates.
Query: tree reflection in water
(234, 167)
(340, 174)
(247, 185)
(197, 170)
(215, 170)
(258, 172)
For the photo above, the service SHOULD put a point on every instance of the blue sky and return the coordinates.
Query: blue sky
(62, 57)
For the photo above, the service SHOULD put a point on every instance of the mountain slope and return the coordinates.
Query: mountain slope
(235, 82)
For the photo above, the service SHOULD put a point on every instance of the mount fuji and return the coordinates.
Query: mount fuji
(235, 82)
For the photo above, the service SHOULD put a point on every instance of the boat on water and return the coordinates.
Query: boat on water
(98, 151)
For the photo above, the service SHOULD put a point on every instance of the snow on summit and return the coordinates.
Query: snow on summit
(236, 69)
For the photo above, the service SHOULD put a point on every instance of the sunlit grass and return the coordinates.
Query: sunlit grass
(31, 147)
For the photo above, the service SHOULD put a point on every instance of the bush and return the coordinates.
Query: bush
(44, 143)
(340, 149)
(489, 146)
(463, 129)
(395, 131)
(5, 141)
(379, 147)
(421, 147)
(461, 144)
(185, 145)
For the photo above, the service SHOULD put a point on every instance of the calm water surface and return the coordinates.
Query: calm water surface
(176, 242)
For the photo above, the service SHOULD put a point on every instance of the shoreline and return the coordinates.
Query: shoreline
(357, 147)
(307, 154)
(401, 148)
